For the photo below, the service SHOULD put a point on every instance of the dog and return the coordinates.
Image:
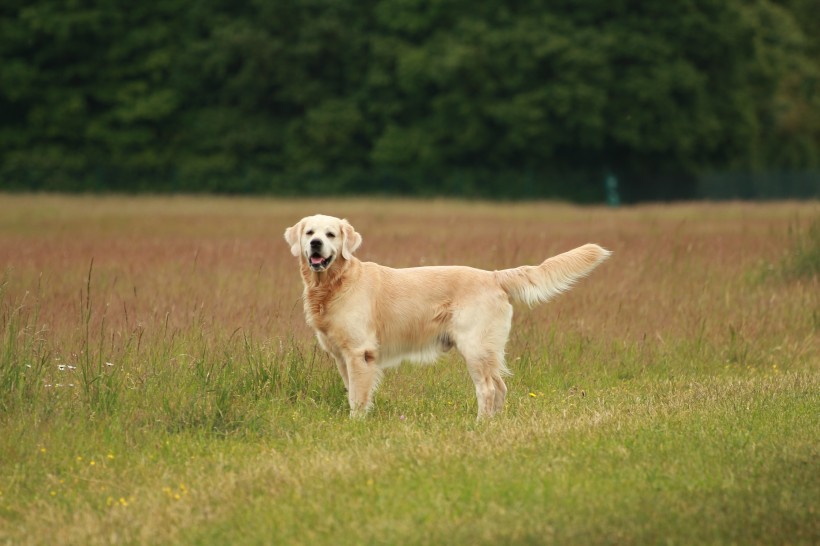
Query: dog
(370, 317)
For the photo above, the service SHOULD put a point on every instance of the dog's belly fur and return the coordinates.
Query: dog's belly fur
(427, 352)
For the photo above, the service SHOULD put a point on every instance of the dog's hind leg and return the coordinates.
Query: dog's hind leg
(484, 386)
(481, 342)
(500, 390)
(486, 371)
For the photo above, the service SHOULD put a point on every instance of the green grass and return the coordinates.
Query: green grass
(703, 429)
(729, 457)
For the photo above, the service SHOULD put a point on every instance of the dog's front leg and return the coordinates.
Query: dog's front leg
(330, 349)
(340, 364)
(363, 378)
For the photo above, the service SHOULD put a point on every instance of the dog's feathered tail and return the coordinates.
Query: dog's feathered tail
(533, 284)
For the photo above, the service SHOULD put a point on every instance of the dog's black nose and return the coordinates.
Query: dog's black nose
(315, 243)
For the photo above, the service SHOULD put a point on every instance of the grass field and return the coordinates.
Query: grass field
(158, 384)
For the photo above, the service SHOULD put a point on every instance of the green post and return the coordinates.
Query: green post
(612, 197)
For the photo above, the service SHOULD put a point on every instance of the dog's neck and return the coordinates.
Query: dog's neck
(322, 287)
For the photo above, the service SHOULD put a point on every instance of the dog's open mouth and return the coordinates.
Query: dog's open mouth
(318, 262)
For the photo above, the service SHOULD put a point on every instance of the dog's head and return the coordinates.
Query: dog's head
(321, 239)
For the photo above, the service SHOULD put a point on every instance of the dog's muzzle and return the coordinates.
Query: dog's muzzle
(318, 262)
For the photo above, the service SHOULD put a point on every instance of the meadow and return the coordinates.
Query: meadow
(158, 384)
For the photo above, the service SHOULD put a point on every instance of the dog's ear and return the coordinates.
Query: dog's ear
(351, 240)
(292, 236)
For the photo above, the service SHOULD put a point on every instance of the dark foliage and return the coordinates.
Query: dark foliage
(494, 99)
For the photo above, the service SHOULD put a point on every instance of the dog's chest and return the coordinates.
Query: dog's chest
(317, 303)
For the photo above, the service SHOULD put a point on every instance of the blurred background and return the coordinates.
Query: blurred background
(586, 101)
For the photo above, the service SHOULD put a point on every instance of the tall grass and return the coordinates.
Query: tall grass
(803, 258)
(23, 358)
(185, 381)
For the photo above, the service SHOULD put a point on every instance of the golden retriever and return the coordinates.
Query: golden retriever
(369, 317)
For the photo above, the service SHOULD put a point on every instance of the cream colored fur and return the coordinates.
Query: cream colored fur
(369, 317)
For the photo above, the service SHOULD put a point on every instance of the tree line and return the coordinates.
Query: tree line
(509, 99)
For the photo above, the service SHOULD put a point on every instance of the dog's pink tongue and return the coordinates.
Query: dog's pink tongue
(315, 260)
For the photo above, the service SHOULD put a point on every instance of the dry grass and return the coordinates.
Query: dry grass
(671, 397)
(164, 263)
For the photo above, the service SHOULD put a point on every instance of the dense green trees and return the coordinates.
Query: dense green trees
(517, 98)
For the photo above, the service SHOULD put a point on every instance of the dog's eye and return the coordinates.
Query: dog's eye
(330, 235)
(309, 232)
